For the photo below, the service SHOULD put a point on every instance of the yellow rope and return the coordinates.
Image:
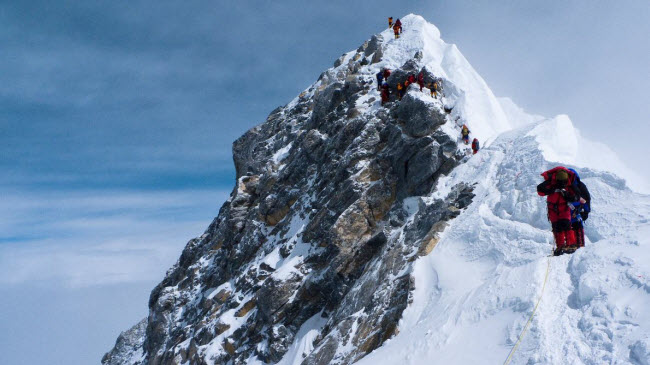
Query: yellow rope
(523, 332)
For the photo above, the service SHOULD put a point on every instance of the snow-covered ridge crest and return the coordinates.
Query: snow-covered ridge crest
(470, 94)
(563, 143)
(465, 89)
(474, 294)
(324, 252)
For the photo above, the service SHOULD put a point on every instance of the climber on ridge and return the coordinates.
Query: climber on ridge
(390, 22)
(475, 145)
(385, 93)
(380, 78)
(421, 80)
(581, 210)
(400, 90)
(396, 30)
(398, 24)
(464, 132)
(560, 191)
(411, 79)
(434, 88)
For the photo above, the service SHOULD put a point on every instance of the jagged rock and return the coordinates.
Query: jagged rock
(422, 167)
(229, 346)
(222, 296)
(274, 294)
(221, 328)
(353, 224)
(128, 347)
(339, 61)
(430, 241)
(420, 117)
(316, 225)
(247, 307)
(373, 45)
(376, 57)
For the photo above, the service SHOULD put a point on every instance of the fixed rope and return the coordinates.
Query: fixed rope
(530, 320)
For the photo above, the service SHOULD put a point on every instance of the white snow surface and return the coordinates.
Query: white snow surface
(470, 95)
(477, 289)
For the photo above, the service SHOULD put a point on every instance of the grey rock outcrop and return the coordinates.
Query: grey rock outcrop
(419, 120)
(128, 347)
(323, 223)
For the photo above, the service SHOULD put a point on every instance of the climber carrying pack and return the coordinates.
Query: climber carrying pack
(380, 79)
(396, 30)
(411, 79)
(560, 192)
(400, 90)
(434, 87)
(421, 80)
(398, 24)
(385, 93)
(475, 145)
(390, 22)
(386, 73)
(581, 210)
(464, 132)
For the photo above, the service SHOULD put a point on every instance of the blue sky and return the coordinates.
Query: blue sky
(117, 118)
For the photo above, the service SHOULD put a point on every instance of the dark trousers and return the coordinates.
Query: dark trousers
(563, 234)
(561, 225)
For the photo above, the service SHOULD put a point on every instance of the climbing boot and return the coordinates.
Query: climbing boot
(570, 249)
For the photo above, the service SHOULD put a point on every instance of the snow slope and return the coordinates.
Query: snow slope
(471, 96)
(476, 290)
(473, 294)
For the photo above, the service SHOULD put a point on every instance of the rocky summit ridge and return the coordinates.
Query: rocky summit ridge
(317, 240)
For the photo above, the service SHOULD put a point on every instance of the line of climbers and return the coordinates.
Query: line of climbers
(569, 203)
(464, 134)
(434, 87)
(397, 27)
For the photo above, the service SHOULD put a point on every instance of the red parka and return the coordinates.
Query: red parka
(558, 195)
(411, 79)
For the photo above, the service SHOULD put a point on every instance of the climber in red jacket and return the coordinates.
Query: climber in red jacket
(560, 191)
(421, 80)
(385, 93)
(411, 79)
(475, 145)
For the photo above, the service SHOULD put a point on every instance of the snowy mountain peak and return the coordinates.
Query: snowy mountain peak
(362, 231)
(420, 42)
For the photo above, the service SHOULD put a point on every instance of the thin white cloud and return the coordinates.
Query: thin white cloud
(97, 238)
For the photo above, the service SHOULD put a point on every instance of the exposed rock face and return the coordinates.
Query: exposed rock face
(128, 347)
(420, 121)
(322, 226)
